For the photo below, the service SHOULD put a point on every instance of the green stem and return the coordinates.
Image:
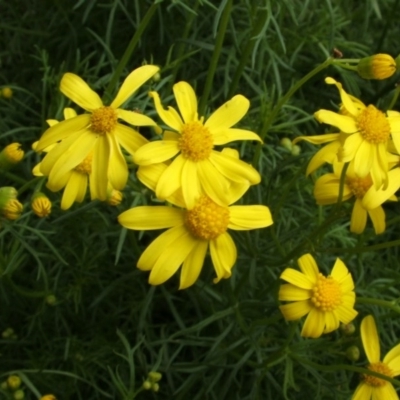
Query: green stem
(391, 305)
(129, 50)
(214, 59)
(248, 49)
(395, 97)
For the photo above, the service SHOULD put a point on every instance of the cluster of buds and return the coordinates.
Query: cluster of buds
(9, 333)
(12, 384)
(10, 207)
(151, 383)
(293, 148)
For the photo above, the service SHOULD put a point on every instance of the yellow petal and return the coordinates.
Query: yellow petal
(379, 169)
(314, 324)
(76, 89)
(328, 154)
(69, 113)
(364, 159)
(340, 271)
(151, 217)
(77, 184)
(363, 392)
(348, 103)
(100, 162)
(190, 184)
(358, 218)
(129, 138)
(346, 314)
(171, 179)
(288, 292)
(249, 217)
(378, 219)
(386, 392)
(331, 322)
(296, 310)
(171, 259)
(135, 118)
(156, 152)
(224, 136)
(60, 182)
(297, 278)
(370, 339)
(350, 147)
(309, 267)
(223, 255)
(235, 170)
(186, 100)
(193, 264)
(343, 122)
(392, 359)
(318, 139)
(133, 82)
(36, 170)
(169, 116)
(117, 168)
(62, 130)
(149, 175)
(228, 114)
(162, 243)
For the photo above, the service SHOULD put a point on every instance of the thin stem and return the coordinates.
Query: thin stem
(214, 59)
(129, 50)
(391, 305)
(395, 97)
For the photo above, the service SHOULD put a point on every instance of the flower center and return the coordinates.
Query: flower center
(326, 294)
(103, 120)
(373, 125)
(207, 220)
(359, 186)
(381, 368)
(195, 142)
(85, 167)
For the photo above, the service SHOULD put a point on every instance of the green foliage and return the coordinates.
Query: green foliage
(77, 318)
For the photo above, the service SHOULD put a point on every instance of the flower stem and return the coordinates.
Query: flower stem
(378, 302)
(129, 50)
(214, 59)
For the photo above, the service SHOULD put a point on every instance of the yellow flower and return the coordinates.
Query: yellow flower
(327, 300)
(192, 232)
(368, 200)
(41, 205)
(367, 133)
(114, 197)
(12, 209)
(48, 397)
(97, 132)
(196, 167)
(378, 66)
(7, 92)
(372, 387)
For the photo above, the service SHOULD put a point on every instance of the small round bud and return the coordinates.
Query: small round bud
(296, 150)
(147, 385)
(286, 143)
(353, 353)
(156, 387)
(378, 66)
(51, 300)
(19, 394)
(154, 376)
(12, 210)
(7, 333)
(11, 155)
(4, 385)
(7, 93)
(41, 205)
(14, 382)
(48, 397)
(156, 77)
(348, 329)
(114, 197)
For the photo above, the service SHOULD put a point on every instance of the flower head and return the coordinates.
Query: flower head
(328, 300)
(192, 231)
(41, 205)
(372, 387)
(97, 132)
(11, 155)
(197, 167)
(378, 66)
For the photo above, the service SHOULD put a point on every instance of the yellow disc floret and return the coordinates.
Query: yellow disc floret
(373, 125)
(359, 186)
(196, 141)
(207, 220)
(85, 167)
(103, 120)
(326, 294)
(381, 368)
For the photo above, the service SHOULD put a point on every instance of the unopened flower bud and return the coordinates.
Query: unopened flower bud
(7, 93)
(154, 376)
(348, 329)
(114, 197)
(286, 143)
(155, 387)
(4, 385)
(147, 385)
(51, 300)
(296, 150)
(378, 66)
(41, 204)
(14, 382)
(19, 394)
(12, 210)
(11, 155)
(7, 333)
(48, 397)
(353, 353)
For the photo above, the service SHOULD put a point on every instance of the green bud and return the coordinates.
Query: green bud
(147, 385)
(296, 150)
(14, 382)
(353, 353)
(154, 376)
(286, 143)
(156, 387)
(348, 329)
(19, 394)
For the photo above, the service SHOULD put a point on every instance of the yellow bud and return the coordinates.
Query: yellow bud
(41, 205)
(114, 197)
(378, 66)
(154, 376)
(147, 385)
(7, 92)
(156, 387)
(11, 155)
(353, 353)
(19, 394)
(14, 382)
(12, 210)
(48, 397)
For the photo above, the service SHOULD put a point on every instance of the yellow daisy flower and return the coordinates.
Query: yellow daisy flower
(368, 132)
(192, 232)
(98, 132)
(328, 300)
(196, 167)
(372, 387)
(368, 200)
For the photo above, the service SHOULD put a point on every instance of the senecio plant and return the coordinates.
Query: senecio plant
(261, 237)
